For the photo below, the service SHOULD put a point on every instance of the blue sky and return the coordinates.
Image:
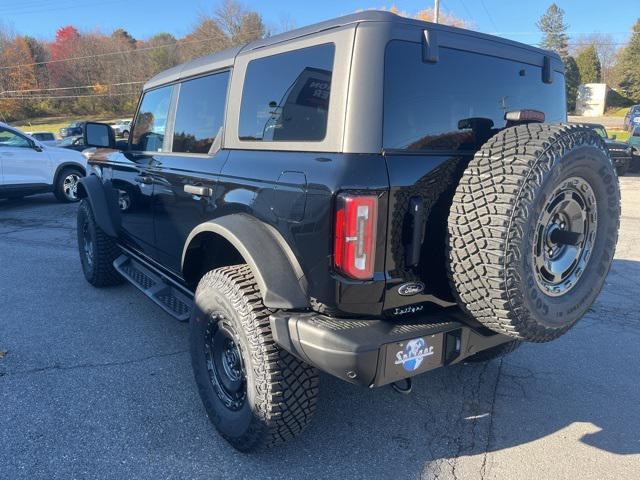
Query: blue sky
(142, 18)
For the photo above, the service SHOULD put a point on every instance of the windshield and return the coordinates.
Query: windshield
(601, 131)
(70, 141)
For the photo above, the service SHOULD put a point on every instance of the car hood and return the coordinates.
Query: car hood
(66, 154)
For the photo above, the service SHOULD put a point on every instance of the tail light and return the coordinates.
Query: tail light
(355, 235)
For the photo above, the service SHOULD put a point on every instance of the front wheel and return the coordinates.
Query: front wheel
(97, 250)
(66, 187)
(255, 393)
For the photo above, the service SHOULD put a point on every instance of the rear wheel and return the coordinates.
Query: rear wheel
(533, 228)
(255, 393)
(66, 187)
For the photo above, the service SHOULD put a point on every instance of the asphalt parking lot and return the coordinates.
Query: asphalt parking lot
(97, 384)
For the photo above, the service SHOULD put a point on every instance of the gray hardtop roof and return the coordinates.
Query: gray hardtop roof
(226, 58)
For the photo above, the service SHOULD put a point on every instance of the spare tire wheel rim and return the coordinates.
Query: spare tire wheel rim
(564, 236)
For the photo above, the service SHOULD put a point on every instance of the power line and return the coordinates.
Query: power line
(76, 87)
(464, 5)
(55, 97)
(106, 54)
(488, 14)
(18, 10)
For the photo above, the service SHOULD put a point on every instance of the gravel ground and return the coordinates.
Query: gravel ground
(97, 384)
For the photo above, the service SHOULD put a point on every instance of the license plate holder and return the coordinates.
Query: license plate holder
(412, 357)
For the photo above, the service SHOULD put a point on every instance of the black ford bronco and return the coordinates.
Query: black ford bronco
(371, 196)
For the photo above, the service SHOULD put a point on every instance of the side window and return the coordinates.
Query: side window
(12, 139)
(151, 121)
(460, 101)
(200, 113)
(286, 96)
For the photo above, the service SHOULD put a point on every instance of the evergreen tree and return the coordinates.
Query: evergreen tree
(553, 29)
(629, 65)
(572, 81)
(589, 65)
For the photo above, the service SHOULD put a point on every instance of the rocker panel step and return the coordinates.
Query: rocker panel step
(169, 298)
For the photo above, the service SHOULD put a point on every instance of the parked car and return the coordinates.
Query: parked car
(46, 138)
(620, 152)
(72, 130)
(28, 166)
(634, 140)
(75, 142)
(372, 196)
(122, 128)
(632, 118)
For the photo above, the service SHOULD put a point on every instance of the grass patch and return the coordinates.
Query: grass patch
(617, 112)
(621, 135)
(54, 124)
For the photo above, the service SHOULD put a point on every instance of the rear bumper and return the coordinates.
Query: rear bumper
(373, 353)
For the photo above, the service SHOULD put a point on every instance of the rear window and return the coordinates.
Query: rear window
(286, 97)
(458, 102)
(200, 113)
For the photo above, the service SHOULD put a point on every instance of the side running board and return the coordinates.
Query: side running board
(171, 299)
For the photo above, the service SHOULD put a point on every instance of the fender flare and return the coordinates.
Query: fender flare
(277, 271)
(64, 165)
(105, 212)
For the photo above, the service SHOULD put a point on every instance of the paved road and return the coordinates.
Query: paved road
(97, 384)
(608, 122)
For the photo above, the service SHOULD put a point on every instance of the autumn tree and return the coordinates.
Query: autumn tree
(589, 64)
(163, 53)
(64, 46)
(18, 78)
(427, 15)
(206, 38)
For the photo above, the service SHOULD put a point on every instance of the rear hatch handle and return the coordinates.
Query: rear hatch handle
(415, 229)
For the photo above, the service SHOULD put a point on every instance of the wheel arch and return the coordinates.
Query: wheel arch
(240, 238)
(63, 165)
(103, 199)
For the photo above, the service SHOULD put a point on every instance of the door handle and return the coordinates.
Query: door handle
(144, 180)
(198, 190)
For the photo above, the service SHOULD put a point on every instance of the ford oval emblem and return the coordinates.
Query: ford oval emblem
(411, 288)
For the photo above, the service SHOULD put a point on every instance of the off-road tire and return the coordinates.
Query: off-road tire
(58, 187)
(281, 391)
(493, 220)
(494, 352)
(99, 272)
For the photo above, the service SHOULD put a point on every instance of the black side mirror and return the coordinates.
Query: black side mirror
(35, 146)
(99, 135)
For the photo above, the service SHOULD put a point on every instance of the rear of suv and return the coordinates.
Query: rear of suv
(371, 196)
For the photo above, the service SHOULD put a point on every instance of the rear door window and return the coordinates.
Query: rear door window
(460, 101)
(151, 121)
(200, 113)
(286, 96)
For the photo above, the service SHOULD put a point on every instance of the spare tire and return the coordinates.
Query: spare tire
(533, 228)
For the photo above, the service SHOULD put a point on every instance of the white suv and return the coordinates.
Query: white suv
(27, 167)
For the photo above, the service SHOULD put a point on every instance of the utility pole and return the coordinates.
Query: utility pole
(436, 11)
